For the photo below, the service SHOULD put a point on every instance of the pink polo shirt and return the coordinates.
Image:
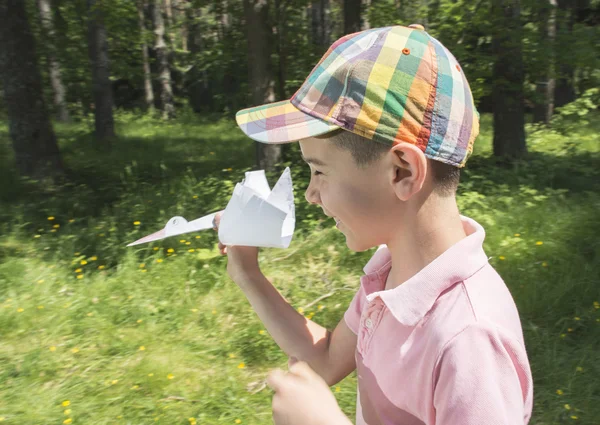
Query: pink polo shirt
(445, 347)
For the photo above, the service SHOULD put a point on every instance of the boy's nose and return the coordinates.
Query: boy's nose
(312, 196)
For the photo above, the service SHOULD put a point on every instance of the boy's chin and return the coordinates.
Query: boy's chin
(358, 246)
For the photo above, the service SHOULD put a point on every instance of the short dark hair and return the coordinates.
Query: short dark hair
(445, 176)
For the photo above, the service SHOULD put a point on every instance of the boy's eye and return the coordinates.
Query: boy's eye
(316, 173)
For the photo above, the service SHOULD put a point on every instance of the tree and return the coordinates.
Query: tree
(260, 74)
(352, 22)
(320, 34)
(98, 53)
(507, 80)
(149, 94)
(33, 139)
(544, 107)
(166, 92)
(58, 88)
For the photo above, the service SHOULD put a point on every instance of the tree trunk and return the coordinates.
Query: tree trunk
(58, 88)
(565, 89)
(260, 78)
(162, 55)
(544, 107)
(280, 9)
(198, 89)
(321, 24)
(170, 24)
(508, 80)
(33, 139)
(352, 22)
(98, 52)
(149, 93)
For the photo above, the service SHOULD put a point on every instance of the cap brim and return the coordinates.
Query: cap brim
(280, 122)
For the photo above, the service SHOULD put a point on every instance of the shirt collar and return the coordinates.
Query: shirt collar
(410, 301)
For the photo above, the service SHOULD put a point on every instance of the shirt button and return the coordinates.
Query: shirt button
(369, 323)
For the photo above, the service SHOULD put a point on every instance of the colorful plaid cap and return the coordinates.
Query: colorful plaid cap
(390, 85)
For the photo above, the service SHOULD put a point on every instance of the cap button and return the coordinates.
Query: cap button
(417, 27)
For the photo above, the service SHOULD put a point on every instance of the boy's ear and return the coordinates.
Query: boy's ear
(409, 168)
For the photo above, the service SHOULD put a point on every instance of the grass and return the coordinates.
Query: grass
(158, 333)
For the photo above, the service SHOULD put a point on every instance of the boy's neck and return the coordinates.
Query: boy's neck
(433, 228)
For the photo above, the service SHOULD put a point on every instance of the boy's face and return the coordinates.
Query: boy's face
(361, 199)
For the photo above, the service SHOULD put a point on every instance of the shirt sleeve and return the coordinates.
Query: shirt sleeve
(482, 378)
(354, 311)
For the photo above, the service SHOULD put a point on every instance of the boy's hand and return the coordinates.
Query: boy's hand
(302, 397)
(241, 260)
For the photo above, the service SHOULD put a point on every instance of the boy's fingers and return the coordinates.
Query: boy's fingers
(217, 220)
(275, 379)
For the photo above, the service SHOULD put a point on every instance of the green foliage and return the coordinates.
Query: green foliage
(577, 113)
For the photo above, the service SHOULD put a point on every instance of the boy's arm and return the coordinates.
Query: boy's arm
(482, 378)
(330, 354)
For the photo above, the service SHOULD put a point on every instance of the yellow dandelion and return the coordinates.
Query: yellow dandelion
(300, 310)
(574, 417)
(241, 366)
(198, 237)
(596, 305)
(135, 387)
(261, 332)
(188, 243)
(66, 403)
(78, 270)
(570, 330)
(182, 240)
(150, 374)
(77, 254)
(192, 420)
(136, 223)
(238, 421)
(143, 270)
(101, 267)
(71, 220)
(93, 258)
(40, 307)
(53, 231)
(320, 307)
(90, 314)
(56, 226)
(559, 392)
(75, 350)
(83, 262)
(579, 369)
(338, 389)
(142, 348)
(37, 236)
(502, 257)
(67, 412)
(563, 335)
(155, 248)
(100, 235)
(193, 310)
(53, 348)
(139, 320)
(170, 376)
(229, 169)
(544, 264)
(115, 381)
(191, 250)
(517, 235)
(20, 310)
(79, 276)
(67, 421)
(568, 406)
(40, 281)
(232, 356)
(195, 196)
(214, 312)
(159, 260)
(50, 218)
(120, 416)
(170, 250)
(577, 318)
(142, 265)
(539, 243)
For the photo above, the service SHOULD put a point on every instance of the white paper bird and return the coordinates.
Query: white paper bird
(254, 216)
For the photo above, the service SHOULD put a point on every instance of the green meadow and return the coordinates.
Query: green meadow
(93, 332)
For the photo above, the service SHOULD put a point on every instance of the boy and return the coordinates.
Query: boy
(386, 120)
